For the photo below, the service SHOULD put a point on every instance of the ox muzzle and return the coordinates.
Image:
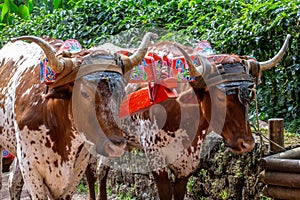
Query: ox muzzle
(235, 79)
(98, 91)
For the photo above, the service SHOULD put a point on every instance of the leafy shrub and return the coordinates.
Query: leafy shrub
(9, 9)
(250, 27)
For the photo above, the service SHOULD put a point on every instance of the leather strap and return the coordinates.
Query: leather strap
(254, 68)
(215, 80)
(84, 70)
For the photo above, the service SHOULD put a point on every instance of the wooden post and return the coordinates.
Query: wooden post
(276, 128)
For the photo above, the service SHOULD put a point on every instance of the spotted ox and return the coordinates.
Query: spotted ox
(171, 132)
(41, 124)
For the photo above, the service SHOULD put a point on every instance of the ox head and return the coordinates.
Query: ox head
(223, 87)
(90, 79)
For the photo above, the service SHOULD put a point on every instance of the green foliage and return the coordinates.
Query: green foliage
(82, 187)
(126, 196)
(251, 27)
(57, 4)
(9, 9)
(223, 194)
(190, 185)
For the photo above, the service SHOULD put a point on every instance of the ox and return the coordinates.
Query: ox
(38, 123)
(171, 132)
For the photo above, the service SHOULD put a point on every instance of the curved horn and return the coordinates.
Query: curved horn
(142, 50)
(273, 61)
(193, 69)
(206, 65)
(54, 62)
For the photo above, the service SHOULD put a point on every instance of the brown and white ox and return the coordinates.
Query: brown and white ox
(45, 126)
(171, 132)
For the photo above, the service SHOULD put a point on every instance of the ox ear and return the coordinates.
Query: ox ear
(63, 92)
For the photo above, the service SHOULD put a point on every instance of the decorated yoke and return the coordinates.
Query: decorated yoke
(161, 71)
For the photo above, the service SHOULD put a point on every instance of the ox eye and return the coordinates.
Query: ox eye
(84, 94)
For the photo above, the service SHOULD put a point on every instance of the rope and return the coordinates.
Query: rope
(257, 129)
(271, 141)
(258, 132)
(261, 136)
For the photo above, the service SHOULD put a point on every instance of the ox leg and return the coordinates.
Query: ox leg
(102, 179)
(94, 173)
(91, 178)
(163, 185)
(180, 188)
(102, 173)
(15, 182)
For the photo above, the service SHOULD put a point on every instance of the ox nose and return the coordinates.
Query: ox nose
(242, 145)
(112, 148)
(245, 145)
(118, 141)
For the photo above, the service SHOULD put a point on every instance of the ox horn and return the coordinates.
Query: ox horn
(136, 58)
(56, 65)
(196, 71)
(193, 69)
(273, 61)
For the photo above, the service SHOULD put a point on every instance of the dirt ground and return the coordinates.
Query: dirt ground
(222, 175)
(4, 194)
